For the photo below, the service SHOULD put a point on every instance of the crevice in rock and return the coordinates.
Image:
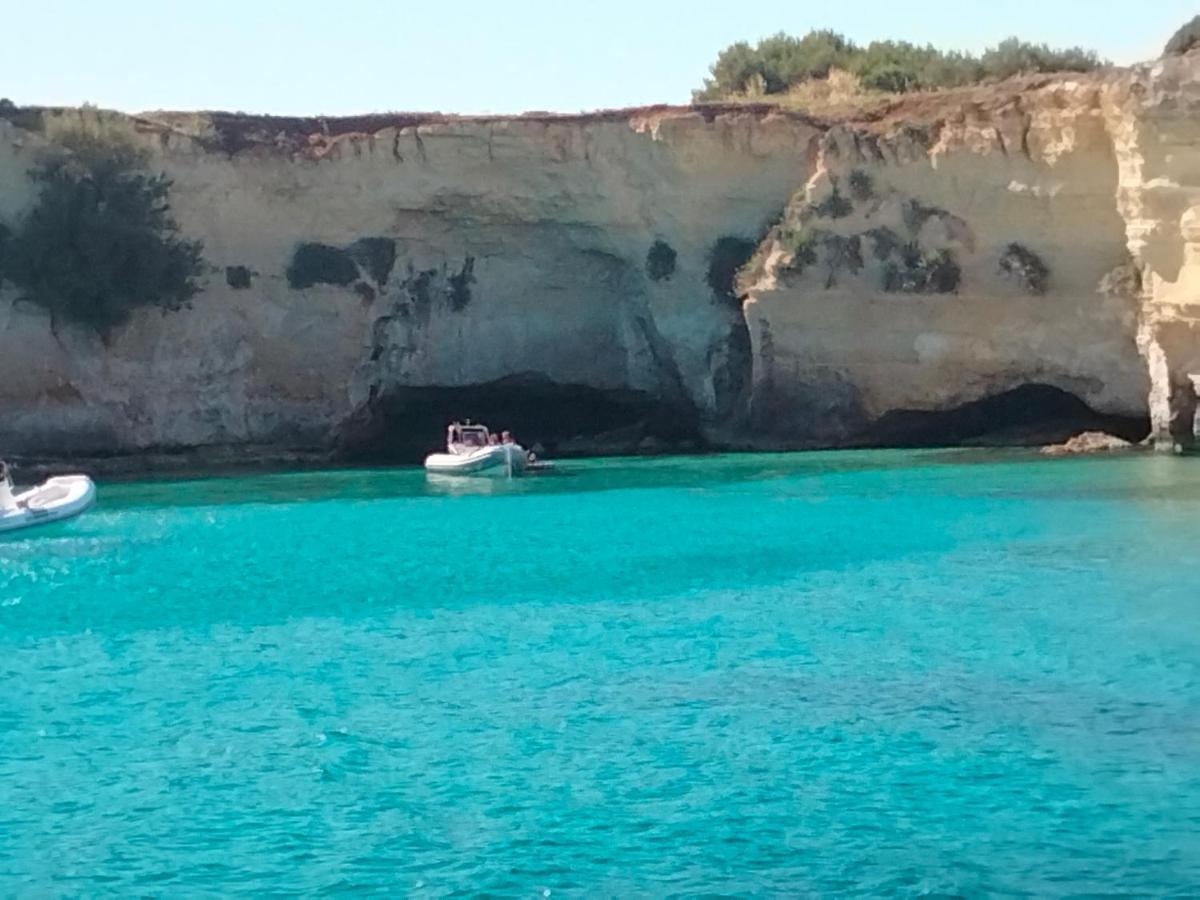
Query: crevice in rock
(670, 379)
(732, 365)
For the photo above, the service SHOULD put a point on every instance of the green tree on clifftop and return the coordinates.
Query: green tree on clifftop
(780, 62)
(100, 241)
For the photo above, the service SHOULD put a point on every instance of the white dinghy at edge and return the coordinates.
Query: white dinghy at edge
(54, 500)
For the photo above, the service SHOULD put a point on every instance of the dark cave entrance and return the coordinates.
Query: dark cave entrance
(1029, 415)
(406, 423)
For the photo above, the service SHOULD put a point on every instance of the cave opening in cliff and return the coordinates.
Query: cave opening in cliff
(403, 424)
(1028, 415)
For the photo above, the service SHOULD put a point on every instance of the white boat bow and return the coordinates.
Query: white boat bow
(54, 500)
(469, 451)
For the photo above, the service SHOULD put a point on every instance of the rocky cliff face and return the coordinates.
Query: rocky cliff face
(1154, 117)
(1016, 263)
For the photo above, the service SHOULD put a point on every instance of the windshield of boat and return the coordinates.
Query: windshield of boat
(476, 436)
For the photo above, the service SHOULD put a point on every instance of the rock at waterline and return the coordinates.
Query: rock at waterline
(1088, 442)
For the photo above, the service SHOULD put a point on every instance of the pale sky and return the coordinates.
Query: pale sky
(337, 57)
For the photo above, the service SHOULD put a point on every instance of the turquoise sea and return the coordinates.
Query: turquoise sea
(877, 673)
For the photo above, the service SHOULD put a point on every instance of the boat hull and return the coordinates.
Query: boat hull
(54, 500)
(495, 461)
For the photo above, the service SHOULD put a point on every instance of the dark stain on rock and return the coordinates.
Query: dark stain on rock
(660, 261)
(376, 255)
(314, 263)
(365, 291)
(458, 289)
(732, 367)
(238, 277)
(417, 287)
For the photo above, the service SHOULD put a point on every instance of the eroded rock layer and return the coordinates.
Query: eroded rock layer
(1014, 263)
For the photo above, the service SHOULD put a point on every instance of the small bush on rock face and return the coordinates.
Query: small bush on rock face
(862, 187)
(1185, 39)
(944, 273)
(100, 241)
(660, 261)
(1124, 280)
(803, 247)
(916, 214)
(918, 273)
(884, 242)
(835, 206)
(841, 252)
(1022, 264)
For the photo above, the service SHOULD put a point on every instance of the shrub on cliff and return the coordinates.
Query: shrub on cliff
(1016, 57)
(862, 185)
(913, 271)
(100, 240)
(834, 206)
(1025, 267)
(775, 63)
(1185, 39)
(898, 67)
(780, 62)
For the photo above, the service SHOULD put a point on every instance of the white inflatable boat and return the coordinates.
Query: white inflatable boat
(53, 500)
(470, 450)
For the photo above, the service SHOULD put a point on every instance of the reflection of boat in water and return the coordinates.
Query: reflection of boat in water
(53, 500)
(439, 483)
(471, 450)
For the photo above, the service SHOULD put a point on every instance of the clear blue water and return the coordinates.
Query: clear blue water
(930, 673)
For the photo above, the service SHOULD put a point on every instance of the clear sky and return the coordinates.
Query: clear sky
(476, 56)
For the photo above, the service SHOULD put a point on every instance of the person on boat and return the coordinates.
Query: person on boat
(493, 441)
(506, 437)
(8, 501)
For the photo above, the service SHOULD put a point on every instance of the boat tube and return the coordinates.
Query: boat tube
(470, 450)
(54, 500)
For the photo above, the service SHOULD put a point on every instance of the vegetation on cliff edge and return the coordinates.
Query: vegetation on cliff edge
(1185, 39)
(100, 241)
(781, 62)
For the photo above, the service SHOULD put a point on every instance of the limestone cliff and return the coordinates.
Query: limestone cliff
(1009, 263)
